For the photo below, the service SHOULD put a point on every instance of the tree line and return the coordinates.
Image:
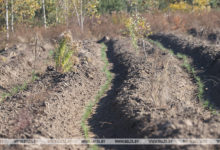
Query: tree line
(52, 12)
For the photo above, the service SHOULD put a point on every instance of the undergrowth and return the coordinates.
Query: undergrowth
(101, 92)
(189, 68)
(18, 88)
(137, 27)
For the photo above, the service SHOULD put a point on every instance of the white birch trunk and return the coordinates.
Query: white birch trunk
(82, 17)
(57, 14)
(6, 19)
(12, 15)
(77, 14)
(44, 13)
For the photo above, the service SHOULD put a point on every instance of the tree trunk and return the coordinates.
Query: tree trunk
(57, 21)
(44, 13)
(82, 17)
(66, 11)
(6, 19)
(77, 13)
(12, 15)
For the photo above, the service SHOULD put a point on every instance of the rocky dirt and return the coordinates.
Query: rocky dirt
(18, 62)
(151, 96)
(205, 56)
(52, 106)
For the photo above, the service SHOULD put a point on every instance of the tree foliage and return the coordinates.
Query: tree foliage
(195, 5)
(108, 6)
(60, 11)
(24, 10)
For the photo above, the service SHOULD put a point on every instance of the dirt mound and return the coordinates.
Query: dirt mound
(211, 36)
(52, 106)
(18, 62)
(205, 58)
(151, 97)
(203, 54)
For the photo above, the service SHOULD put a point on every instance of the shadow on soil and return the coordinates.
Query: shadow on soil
(208, 66)
(108, 121)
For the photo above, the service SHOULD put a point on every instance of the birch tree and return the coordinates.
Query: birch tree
(84, 8)
(6, 18)
(78, 9)
(12, 15)
(81, 15)
(44, 14)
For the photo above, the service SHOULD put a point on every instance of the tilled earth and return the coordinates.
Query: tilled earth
(151, 96)
(52, 106)
(155, 98)
(205, 56)
(18, 62)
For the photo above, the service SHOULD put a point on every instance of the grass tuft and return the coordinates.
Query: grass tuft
(18, 88)
(101, 92)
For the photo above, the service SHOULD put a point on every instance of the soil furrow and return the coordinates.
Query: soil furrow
(205, 58)
(100, 93)
(151, 97)
(52, 106)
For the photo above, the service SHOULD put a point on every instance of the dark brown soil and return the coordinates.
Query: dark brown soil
(210, 36)
(52, 107)
(18, 62)
(151, 97)
(206, 59)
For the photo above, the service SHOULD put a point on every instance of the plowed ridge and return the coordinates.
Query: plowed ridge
(151, 97)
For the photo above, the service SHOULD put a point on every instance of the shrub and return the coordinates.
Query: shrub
(197, 5)
(137, 27)
(181, 6)
(64, 54)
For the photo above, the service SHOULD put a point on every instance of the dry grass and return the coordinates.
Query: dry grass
(113, 25)
(106, 25)
(182, 21)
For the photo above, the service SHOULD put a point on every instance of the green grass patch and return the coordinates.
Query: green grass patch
(13, 91)
(34, 76)
(160, 46)
(18, 88)
(186, 65)
(100, 93)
